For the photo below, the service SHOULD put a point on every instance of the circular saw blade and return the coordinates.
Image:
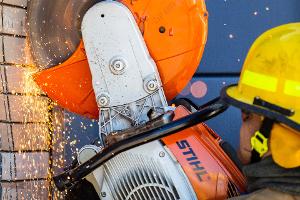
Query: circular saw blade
(177, 50)
(54, 29)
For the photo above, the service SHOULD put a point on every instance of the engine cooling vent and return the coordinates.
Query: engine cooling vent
(135, 177)
(232, 190)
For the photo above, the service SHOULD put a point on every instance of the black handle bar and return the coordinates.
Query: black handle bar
(69, 178)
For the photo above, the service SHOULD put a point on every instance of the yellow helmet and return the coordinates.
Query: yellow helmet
(270, 86)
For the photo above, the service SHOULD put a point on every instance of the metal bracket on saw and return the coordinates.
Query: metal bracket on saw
(125, 78)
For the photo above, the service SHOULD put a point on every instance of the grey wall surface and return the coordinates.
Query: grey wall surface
(24, 113)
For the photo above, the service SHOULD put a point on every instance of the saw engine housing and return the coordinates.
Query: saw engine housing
(188, 165)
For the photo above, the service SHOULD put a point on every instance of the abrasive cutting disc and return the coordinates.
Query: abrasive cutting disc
(175, 33)
(54, 29)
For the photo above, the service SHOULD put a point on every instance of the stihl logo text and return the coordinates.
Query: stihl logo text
(192, 159)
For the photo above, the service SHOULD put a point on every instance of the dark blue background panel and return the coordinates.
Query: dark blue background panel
(235, 24)
(79, 131)
(202, 90)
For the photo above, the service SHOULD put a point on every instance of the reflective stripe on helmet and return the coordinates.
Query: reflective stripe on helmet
(260, 81)
(292, 88)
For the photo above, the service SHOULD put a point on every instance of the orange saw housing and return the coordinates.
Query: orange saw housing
(175, 32)
(209, 169)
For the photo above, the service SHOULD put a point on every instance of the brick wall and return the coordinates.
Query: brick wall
(25, 114)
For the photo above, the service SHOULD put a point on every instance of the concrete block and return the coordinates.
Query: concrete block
(23, 166)
(20, 80)
(28, 108)
(3, 108)
(13, 20)
(15, 50)
(1, 49)
(15, 79)
(2, 80)
(30, 137)
(21, 137)
(22, 3)
(6, 137)
(25, 190)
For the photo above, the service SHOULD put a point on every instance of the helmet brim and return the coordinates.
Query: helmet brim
(232, 96)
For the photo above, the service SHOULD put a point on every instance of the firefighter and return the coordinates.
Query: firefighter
(268, 95)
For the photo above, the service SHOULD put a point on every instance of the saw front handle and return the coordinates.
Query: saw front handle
(69, 178)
